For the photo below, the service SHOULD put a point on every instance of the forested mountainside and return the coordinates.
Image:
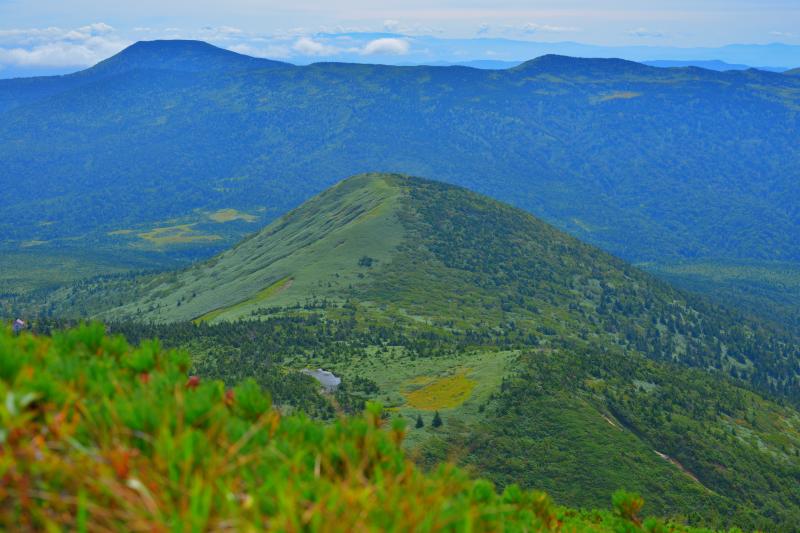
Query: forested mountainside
(177, 149)
(549, 361)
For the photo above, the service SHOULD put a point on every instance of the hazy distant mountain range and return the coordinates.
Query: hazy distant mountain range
(482, 52)
(432, 50)
(663, 63)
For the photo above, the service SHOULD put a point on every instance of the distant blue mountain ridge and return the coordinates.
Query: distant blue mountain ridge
(493, 53)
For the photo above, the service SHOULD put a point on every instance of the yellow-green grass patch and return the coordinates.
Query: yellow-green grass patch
(276, 288)
(180, 234)
(619, 95)
(229, 215)
(439, 393)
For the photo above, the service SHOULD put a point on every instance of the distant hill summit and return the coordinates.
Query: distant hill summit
(185, 56)
(793, 72)
(558, 64)
(178, 55)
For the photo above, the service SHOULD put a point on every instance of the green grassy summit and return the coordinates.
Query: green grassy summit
(313, 251)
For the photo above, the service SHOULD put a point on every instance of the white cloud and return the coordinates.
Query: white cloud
(60, 54)
(644, 32)
(392, 26)
(57, 47)
(387, 47)
(221, 32)
(98, 28)
(229, 30)
(27, 37)
(269, 52)
(483, 29)
(307, 46)
(532, 27)
(310, 47)
(782, 34)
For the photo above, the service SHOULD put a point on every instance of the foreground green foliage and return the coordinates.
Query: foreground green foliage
(96, 435)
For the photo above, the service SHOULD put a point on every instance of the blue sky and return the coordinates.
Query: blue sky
(68, 34)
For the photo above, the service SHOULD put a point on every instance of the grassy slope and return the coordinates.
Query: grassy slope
(440, 256)
(316, 246)
(588, 412)
(567, 443)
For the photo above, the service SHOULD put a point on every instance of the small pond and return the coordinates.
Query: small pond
(328, 380)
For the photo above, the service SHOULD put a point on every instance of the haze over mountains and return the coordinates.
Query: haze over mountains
(713, 64)
(424, 49)
(399, 48)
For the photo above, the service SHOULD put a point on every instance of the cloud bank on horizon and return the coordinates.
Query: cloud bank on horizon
(53, 36)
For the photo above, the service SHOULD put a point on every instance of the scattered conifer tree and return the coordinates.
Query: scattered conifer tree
(420, 423)
(437, 420)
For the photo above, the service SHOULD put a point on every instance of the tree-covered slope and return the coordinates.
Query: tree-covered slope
(99, 436)
(652, 164)
(577, 418)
